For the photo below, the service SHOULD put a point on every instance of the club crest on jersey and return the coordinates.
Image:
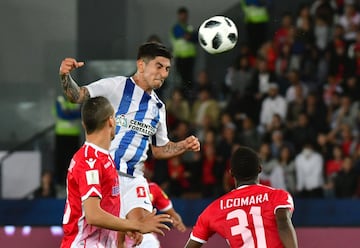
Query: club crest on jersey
(121, 121)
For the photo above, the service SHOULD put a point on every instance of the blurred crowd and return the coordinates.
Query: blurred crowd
(295, 100)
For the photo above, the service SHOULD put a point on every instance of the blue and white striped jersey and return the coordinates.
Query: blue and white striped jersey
(140, 119)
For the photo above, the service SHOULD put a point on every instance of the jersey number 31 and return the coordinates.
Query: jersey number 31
(243, 227)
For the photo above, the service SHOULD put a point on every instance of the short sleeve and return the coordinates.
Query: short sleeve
(161, 136)
(202, 230)
(282, 199)
(159, 198)
(88, 178)
(103, 87)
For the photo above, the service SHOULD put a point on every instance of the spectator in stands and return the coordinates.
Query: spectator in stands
(204, 112)
(238, 76)
(281, 34)
(346, 113)
(256, 16)
(274, 103)
(324, 10)
(295, 107)
(277, 142)
(259, 87)
(309, 173)
(324, 146)
(184, 39)
(67, 135)
(316, 110)
(269, 175)
(350, 21)
(346, 180)
(177, 107)
(302, 132)
(248, 135)
(293, 80)
(47, 187)
(286, 161)
(347, 140)
(223, 150)
(208, 178)
(203, 81)
(178, 176)
(338, 61)
(332, 167)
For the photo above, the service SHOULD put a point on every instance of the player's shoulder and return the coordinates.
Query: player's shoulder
(116, 79)
(271, 190)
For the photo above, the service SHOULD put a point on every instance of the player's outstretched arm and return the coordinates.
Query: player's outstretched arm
(96, 216)
(178, 223)
(71, 89)
(172, 149)
(285, 228)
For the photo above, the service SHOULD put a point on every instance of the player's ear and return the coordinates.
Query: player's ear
(111, 121)
(260, 169)
(140, 65)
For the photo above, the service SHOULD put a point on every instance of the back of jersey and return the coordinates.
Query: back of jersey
(245, 217)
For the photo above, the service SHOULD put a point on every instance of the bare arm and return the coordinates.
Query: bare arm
(71, 89)
(172, 149)
(177, 221)
(96, 216)
(285, 228)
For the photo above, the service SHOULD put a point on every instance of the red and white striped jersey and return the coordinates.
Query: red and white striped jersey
(91, 173)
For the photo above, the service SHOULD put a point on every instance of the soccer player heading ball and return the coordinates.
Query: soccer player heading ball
(140, 121)
(252, 215)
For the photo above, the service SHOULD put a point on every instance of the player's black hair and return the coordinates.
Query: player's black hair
(153, 49)
(245, 164)
(95, 112)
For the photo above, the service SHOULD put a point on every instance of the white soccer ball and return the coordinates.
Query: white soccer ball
(218, 34)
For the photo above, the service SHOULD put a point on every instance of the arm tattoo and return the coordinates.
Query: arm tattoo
(73, 92)
(173, 148)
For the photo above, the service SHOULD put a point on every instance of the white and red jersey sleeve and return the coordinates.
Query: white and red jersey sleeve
(245, 217)
(159, 198)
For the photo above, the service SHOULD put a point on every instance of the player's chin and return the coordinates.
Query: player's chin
(157, 86)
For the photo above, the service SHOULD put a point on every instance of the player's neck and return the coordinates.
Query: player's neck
(139, 81)
(98, 139)
(242, 183)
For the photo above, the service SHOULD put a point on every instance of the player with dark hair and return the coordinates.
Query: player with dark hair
(140, 121)
(252, 215)
(93, 202)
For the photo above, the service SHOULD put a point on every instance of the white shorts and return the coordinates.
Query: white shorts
(134, 193)
(150, 240)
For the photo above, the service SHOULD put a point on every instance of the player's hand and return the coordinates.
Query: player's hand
(192, 143)
(136, 237)
(155, 223)
(178, 224)
(69, 64)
